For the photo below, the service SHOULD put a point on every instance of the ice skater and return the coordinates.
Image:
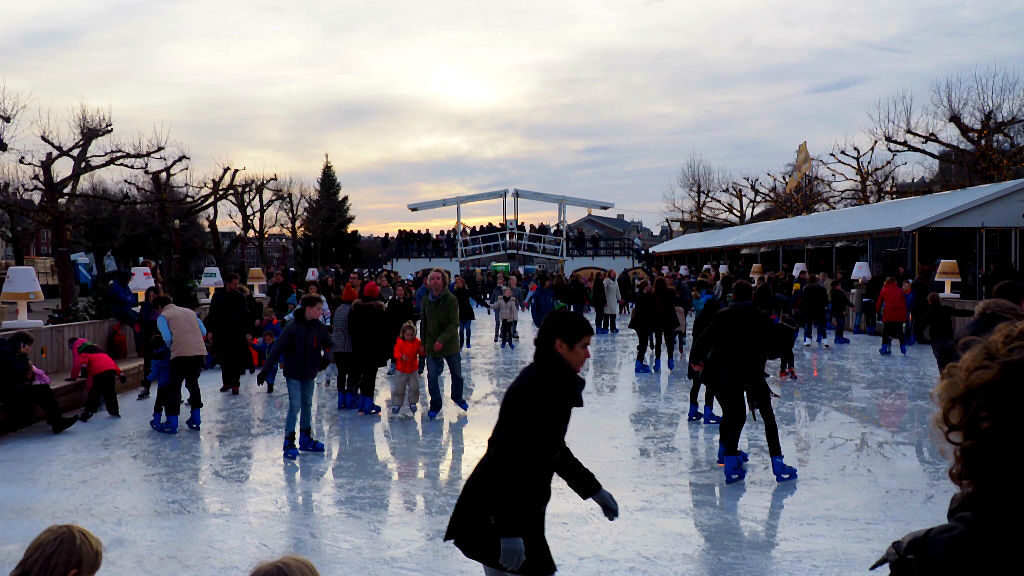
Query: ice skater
(498, 520)
(892, 304)
(18, 389)
(507, 310)
(700, 324)
(183, 333)
(735, 347)
(305, 345)
(263, 346)
(787, 331)
(406, 387)
(102, 370)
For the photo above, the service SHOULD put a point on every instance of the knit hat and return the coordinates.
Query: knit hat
(349, 294)
(371, 290)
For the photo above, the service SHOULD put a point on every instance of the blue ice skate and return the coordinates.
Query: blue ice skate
(657, 365)
(462, 404)
(884, 350)
(412, 408)
(903, 349)
(342, 401)
(721, 455)
(782, 470)
(155, 423)
(694, 415)
(194, 420)
(171, 426)
(671, 363)
(432, 414)
(710, 417)
(642, 368)
(366, 406)
(291, 452)
(309, 444)
(734, 471)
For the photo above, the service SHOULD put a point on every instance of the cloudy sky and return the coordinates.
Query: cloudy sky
(417, 100)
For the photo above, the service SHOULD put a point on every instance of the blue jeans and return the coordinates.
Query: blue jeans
(434, 367)
(465, 332)
(272, 373)
(300, 398)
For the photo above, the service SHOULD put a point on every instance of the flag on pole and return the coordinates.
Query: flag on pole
(802, 167)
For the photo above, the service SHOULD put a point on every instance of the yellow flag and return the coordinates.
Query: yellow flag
(803, 165)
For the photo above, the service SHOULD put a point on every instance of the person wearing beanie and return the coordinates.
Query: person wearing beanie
(348, 379)
(371, 344)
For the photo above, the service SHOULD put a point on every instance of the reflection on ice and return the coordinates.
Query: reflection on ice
(378, 500)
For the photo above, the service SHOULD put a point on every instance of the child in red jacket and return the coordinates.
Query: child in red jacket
(101, 370)
(892, 303)
(407, 363)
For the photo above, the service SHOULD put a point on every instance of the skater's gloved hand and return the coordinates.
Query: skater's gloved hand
(699, 366)
(607, 503)
(513, 553)
(123, 378)
(261, 377)
(438, 346)
(325, 361)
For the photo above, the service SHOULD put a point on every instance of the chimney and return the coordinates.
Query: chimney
(620, 216)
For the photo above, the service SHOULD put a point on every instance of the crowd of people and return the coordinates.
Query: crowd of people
(346, 326)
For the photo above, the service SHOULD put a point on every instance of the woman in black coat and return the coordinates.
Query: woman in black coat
(499, 517)
(400, 309)
(644, 322)
(372, 344)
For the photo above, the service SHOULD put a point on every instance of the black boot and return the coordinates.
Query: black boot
(63, 424)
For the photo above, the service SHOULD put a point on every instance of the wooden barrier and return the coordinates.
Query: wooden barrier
(50, 350)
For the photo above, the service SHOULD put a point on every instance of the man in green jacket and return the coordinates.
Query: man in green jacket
(439, 332)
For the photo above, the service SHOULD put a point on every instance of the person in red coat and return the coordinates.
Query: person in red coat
(892, 303)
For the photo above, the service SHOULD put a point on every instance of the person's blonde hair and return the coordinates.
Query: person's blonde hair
(286, 566)
(60, 549)
(407, 327)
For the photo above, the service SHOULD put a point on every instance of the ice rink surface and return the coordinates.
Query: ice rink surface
(857, 426)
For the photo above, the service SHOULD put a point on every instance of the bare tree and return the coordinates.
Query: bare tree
(291, 208)
(973, 126)
(17, 208)
(858, 176)
(738, 200)
(250, 205)
(69, 156)
(690, 202)
(219, 187)
(12, 106)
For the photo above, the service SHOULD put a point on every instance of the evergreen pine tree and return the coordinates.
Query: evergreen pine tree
(326, 236)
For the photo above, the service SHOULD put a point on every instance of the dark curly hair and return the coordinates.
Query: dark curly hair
(978, 399)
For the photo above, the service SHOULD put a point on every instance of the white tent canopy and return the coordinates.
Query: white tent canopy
(990, 205)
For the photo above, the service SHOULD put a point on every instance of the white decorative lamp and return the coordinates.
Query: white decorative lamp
(22, 286)
(756, 271)
(723, 269)
(256, 279)
(706, 268)
(312, 275)
(142, 280)
(948, 272)
(798, 268)
(664, 270)
(861, 271)
(684, 270)
(211, 281)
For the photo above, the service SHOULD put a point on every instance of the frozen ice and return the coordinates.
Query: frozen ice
(857, 426)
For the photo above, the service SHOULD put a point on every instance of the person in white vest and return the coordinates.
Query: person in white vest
(184, 334)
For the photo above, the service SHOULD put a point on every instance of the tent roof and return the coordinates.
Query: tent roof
(905, 214)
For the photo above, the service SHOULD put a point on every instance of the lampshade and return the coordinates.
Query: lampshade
(948, 270)
(142, 279)
(256, 276)
(212, 278)
(723, 269)
(756, 270)
(21, 285)
(684, 270)
(312, 275)
(798, 268)
(664, 270)
(706, 268)
(861, 271)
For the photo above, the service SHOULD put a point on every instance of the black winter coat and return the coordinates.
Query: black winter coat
(277, 298)
(508, 492)
(736, 345)
(303, 343)
(398, 313)
(815, 299)
(939, 319)
(372, 344)
(665, 306)
(645, 313)
(465, 298)
(700, 324)
(229, 321)
(977, 539)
